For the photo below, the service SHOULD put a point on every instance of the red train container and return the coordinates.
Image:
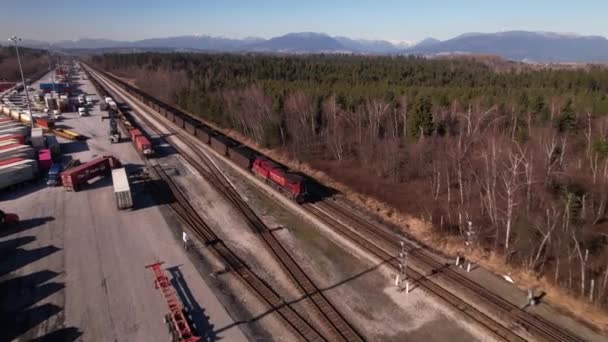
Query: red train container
(45, 123)
(17, 138)
(143, 145)
(5, 120)
(134, 133)
(74, 179)
(45, 159)
(10, 161)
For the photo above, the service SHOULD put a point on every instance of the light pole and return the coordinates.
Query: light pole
(16, 39)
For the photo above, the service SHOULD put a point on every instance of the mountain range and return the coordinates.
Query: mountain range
(512, 45)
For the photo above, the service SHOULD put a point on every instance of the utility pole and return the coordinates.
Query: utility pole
(51, 70)
(15, 40)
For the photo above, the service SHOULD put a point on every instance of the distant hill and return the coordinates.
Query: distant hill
(512, 45)
(305, 42)
(522, 46)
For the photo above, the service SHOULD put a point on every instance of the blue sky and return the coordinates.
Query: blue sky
(403, 20)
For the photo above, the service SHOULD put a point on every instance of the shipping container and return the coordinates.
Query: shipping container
(6, 120)
(17, 138)
(46, 123)
(45, 159)
(37, 138)
(23, 130)
(18, 172)
(75, 178)
(122, 190)
(10, 161)
(16, 150)
(9, 124)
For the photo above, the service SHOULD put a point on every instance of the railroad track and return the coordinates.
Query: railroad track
(187, 214)
(529, 323)
(333, 320)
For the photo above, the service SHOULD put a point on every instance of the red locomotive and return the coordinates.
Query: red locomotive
(280, 177)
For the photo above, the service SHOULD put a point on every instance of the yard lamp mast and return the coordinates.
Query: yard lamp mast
(15, 40)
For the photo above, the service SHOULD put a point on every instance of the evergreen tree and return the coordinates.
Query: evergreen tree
(422, 118)
(567, 119)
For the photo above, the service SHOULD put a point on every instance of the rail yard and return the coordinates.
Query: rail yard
(138, 190)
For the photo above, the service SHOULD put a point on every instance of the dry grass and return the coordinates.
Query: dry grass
(422, 231)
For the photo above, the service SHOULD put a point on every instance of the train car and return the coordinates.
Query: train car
(190, 125)
(202, 133)
(179, 120)
(169, 115)
(221, 143)
(142, 144)
(242, 155)
(280, 177)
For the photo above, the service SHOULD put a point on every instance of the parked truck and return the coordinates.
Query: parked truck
(19, 170)
(75, 178)
(122, 190)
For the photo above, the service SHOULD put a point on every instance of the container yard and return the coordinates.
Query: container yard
(69, 225)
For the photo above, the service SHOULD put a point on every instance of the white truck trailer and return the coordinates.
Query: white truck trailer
(122, 190)
(18, 172)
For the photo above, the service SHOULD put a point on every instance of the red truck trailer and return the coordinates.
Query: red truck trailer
(75, 178)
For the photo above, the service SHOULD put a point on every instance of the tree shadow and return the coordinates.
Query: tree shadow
(22, 189)
(21, 257)
(202, 324)
(63, 334)
(26, 224)
(16, 324)
(305, 297)
(8, 246)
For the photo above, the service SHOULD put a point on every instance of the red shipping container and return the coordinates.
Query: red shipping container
(16, 137)
(10, 161)
(45, 123)
(134, 133)
(45, 159)
(5, 119)
(73, 179)
(7, 147)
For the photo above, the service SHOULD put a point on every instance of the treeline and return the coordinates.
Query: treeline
(520, 153)
(33, 62)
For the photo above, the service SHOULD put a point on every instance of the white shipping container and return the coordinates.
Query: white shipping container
(18, 172)
(23, 151)
(122, 190)
(9, 124)
(37, 138)
(14, 130)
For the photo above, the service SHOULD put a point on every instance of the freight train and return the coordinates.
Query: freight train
(290, 183)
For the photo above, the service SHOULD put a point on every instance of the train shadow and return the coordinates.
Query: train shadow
(202, 324)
